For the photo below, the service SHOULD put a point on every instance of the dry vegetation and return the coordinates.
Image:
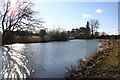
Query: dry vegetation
(102, 64)
(27, 39)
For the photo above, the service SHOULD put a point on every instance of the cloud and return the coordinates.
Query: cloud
(116, 28)
(99, 11)
(86, 15)
(110, 31)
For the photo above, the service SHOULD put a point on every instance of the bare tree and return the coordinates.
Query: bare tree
(94, 25)
(18, 17)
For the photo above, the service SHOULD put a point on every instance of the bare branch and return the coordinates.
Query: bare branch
(22, 17)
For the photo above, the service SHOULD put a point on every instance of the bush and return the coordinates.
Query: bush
(58, 36)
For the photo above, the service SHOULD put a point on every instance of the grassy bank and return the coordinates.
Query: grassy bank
(102, 64)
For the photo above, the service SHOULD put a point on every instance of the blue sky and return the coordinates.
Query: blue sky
(119, 18)
(69, 15)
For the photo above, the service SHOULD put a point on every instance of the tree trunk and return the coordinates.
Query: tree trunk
(92, 31)
(7, 37)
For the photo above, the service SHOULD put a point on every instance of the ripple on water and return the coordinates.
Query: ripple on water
(14, 63)
(45, 60)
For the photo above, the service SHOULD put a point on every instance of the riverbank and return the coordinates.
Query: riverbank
(33, 39)
(102, 64)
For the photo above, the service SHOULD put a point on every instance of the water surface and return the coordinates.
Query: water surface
(45, 60)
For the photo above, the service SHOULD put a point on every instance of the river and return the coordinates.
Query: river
(44, 60)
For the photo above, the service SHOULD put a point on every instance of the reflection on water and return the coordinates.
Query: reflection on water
(44, 60)
(14, 63)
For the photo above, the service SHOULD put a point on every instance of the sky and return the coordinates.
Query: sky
(76, 0)
(119, 18)
(69, 15)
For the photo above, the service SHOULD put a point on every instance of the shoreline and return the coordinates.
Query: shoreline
(101, 64)
(37, 41)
